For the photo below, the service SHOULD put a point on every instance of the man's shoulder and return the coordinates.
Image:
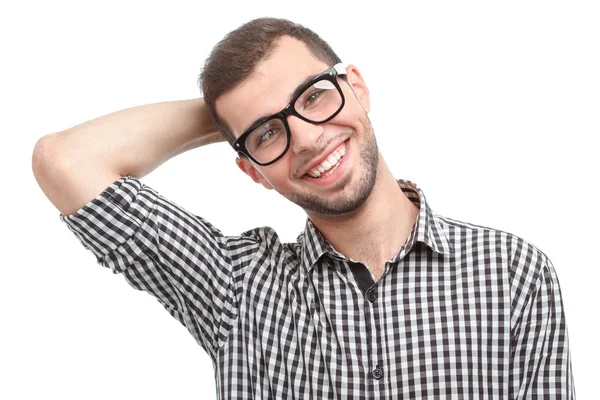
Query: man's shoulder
(523, 256)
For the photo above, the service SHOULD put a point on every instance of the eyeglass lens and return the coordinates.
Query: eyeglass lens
(317, 103)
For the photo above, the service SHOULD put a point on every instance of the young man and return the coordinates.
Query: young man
(379, 297)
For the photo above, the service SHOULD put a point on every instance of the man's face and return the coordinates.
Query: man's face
(342, 187)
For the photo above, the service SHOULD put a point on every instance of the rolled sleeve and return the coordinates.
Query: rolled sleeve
(107, 225)
(160, 248)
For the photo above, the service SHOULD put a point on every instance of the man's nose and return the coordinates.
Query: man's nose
(304, 135)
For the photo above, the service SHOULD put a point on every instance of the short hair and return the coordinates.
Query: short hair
(235, 57)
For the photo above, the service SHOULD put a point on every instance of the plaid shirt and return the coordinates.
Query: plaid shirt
(462, 311)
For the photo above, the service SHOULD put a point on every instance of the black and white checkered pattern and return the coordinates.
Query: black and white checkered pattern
(462, 311)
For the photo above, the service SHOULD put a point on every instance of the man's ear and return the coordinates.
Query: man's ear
(249, 169)
(358, 85)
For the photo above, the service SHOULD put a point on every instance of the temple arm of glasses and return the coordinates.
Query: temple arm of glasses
(340, 68)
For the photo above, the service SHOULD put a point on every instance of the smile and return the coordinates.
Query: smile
(330, 164)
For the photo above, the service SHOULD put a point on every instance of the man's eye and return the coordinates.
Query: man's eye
(265, 136)
(312, 97)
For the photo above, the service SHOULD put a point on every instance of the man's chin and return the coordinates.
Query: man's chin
(341, 205)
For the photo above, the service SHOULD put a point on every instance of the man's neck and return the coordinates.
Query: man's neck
(374, 233)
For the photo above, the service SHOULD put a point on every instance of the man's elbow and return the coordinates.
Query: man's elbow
(45, 157)
(48, 165)
(68, 182)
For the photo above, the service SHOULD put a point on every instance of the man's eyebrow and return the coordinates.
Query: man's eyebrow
(295, 93)
(301, 86)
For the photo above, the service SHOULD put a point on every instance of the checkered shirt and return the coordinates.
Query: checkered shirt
(462, 311)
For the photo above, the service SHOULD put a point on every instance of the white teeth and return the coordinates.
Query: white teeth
(330, 171)
(328, 163)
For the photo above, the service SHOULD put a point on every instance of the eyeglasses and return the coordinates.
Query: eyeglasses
(321, 99)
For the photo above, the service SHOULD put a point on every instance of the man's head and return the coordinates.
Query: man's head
(253, 73)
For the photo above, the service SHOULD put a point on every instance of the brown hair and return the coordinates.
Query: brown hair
(235, 57)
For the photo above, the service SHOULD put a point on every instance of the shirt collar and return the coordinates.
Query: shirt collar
(427, 230)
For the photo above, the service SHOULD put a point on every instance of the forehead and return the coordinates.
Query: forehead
(268, 89)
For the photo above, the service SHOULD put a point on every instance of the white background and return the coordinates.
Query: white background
(492, 109)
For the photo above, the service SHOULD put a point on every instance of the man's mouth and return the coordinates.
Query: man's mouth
(329, 165)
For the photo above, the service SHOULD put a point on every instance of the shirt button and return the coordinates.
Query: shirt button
(377, 373)
(371, 296)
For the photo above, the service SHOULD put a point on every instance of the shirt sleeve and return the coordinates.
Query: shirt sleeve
(194, 271)
(540, 357)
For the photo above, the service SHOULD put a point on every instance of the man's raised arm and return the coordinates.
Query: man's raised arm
(74, 166)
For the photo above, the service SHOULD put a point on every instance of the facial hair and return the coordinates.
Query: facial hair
(340, 205)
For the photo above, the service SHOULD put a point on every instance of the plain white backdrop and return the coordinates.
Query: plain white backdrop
(492, 109)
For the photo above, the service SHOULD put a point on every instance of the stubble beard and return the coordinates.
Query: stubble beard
(340, 205)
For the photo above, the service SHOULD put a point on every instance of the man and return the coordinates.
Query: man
(379, 297)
